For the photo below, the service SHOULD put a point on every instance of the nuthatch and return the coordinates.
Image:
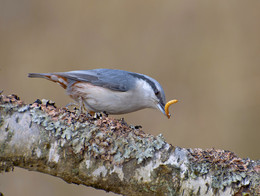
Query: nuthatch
(111, 91)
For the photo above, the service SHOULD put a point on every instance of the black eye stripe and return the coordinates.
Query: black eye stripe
(157, 92)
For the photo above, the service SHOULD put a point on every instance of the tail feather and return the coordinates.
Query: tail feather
(37, 75)
(52, 77)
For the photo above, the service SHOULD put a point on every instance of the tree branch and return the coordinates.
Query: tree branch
(108, 154)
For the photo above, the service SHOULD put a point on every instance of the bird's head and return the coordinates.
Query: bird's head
(154, 93)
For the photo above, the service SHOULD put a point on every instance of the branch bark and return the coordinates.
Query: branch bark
(108, 154)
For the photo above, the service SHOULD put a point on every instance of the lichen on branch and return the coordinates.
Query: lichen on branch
(109, 154)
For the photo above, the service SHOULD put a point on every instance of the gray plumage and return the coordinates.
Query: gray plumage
(112, 79)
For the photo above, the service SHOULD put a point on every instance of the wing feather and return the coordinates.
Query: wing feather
(117, 80)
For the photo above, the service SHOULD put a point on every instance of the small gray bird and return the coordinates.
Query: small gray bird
(111, 91)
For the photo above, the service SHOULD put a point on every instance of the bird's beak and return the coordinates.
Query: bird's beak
(161, 108)
(165, 109)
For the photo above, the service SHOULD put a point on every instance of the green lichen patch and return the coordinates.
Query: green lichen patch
(117, 142)
(99, 136)
(227, 169)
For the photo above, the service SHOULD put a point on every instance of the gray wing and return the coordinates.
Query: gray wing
(117, 80)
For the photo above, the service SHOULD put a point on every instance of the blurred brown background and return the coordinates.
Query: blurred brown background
(204, 53)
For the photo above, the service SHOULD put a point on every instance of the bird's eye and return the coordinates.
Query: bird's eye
(157, 93)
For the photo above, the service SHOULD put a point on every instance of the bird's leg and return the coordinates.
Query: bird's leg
(79, 105)
(83, 107)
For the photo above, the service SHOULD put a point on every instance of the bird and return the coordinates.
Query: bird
(111, 91)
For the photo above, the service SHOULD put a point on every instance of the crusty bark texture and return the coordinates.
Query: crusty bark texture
(109, 154)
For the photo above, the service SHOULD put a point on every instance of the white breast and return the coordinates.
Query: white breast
(99, 99)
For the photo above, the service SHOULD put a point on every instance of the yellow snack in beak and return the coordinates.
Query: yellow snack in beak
(167, 105)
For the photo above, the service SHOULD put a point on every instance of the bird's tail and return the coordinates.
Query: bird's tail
(38, 75)
(52, 77)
